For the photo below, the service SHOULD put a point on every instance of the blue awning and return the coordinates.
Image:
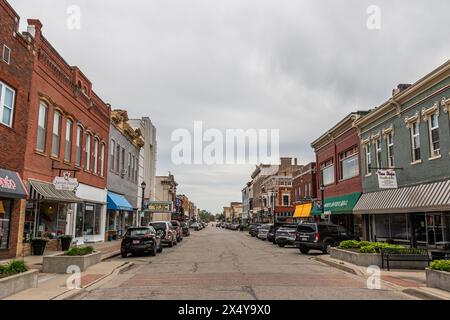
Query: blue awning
(118, 202)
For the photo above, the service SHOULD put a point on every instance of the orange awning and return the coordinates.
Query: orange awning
(303, 210)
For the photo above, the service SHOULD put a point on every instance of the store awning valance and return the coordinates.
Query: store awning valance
(40, 190)
(339, 205)
(303, 210)
(424, 197)
(11, 185)
(118, 202)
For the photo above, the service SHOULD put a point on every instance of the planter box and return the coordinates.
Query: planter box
(373, 259)
(438, 279)
(19, 282)
(59, 263)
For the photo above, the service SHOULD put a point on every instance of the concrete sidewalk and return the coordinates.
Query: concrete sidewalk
(108, 250)
(412, 282)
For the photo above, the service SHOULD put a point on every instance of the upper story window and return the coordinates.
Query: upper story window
(117, 155)
(78, 146)
(349, 166)
(7, 96)
(88, 152)
(390, 149)
(68, 146)
(113, 154)
(102, 160)
(96, 156)
(123, 161)
(368, 158)
(327, 172)
(378, 153)
(433, 125)
(129, 166)
(6, 54)
(415, 142)
(286, 200)
(42, 127)
(56, 134)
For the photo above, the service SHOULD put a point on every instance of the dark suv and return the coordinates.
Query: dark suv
(320, 236)
(253, 229)
(141, 240)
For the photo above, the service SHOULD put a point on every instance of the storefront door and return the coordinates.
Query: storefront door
(437, 232)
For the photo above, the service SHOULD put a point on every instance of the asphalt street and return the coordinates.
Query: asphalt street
(222, 264)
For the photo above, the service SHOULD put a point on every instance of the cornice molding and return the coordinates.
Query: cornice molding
(412, 119)
(427, 112)
(387, 131)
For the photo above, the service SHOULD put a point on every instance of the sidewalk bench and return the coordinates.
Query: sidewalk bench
(403, 254)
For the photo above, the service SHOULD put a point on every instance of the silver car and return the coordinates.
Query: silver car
(285, 235)
(263, 231)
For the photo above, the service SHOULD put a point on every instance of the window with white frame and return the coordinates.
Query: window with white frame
(68, 146)
(415, 142)
(78, 146)
(42, 127)
(112, 151)
(129, 165)
(328, 172)
(56, 133)
(88, 152)
(349, 166)
(96, 156)
(378, 153)
(368, 158)
(7, 97)
(286, 200)
(6, 54)
(390, 149)
(102, 160)
(433, 125)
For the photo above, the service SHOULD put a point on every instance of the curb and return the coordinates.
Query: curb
(337, 265)
(71, 294)
(110, 255)
(421, 294)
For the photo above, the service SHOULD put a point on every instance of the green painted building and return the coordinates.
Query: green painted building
(405, 160)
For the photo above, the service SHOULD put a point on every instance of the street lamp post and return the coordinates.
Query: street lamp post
(322, 205)
(143, 185)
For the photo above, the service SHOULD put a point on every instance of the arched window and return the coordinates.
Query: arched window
(78, 146)
(95, 155)
(56, 134)
(42, 127)
(88, 151)
(102, 160)
(68, 146)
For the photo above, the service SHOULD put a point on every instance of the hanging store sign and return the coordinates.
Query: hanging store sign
(65, 183)
(387, 179)
(159, 206)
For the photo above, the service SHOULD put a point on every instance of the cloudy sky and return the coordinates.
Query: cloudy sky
(294, 65)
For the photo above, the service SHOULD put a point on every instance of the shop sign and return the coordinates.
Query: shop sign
(160, 206)
(65, 183)
(11, 185)
(387, 179)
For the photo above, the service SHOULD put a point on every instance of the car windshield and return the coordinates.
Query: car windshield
(306, 228)
(289, 226)
(158, 225)
(137, 232)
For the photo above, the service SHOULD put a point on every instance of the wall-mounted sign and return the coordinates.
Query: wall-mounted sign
(65, 183)
(160, 206)
(11, 185)
(387, 179)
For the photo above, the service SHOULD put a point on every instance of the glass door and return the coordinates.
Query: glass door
(436, 229)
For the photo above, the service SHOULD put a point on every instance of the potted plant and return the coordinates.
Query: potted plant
(66, 241)
(38, 246)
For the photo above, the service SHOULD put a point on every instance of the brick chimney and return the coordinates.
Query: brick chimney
(34, 28)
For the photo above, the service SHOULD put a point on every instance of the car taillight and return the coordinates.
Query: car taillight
(317, 236)
(148, 235)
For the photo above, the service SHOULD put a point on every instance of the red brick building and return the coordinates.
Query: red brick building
(304, 186)
(339, 172)
(63, 130)
(15, 82)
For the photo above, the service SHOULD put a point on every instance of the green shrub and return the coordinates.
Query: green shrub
(354, 244)
(12, 268)
(79, 251)
(441, 265)
(368, 249)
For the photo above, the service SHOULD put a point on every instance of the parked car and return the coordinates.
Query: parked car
(140, 240)
(320, 236)
(263, 231)
(195, 226)
(234, 226)
(165, 230)
(285, 235)
(253, 229)
(271, 233)
(177, 226)
(185, 228)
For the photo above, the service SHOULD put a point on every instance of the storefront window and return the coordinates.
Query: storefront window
(88, 220)
(28, 228)
(381, 226)
(5, 220)
(399, 227)
(52, 219)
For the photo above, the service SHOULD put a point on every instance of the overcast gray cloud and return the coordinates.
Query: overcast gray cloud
(296, 65)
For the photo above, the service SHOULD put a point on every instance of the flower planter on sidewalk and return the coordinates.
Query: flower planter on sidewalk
(59, 263)
(438, 279)
(373, 259)
(18, 282)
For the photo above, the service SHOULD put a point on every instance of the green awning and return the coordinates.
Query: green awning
(338, 205)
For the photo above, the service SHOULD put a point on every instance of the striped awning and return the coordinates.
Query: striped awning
(424, 197)
(40, 190)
